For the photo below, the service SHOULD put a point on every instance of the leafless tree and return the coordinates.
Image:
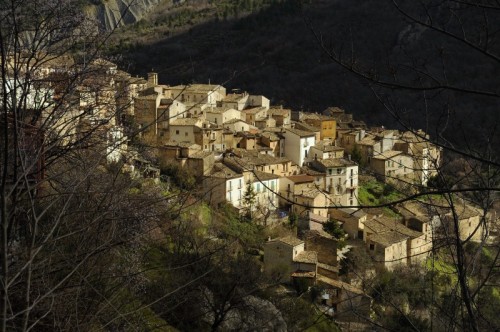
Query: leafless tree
(66, 208)
(447, 59)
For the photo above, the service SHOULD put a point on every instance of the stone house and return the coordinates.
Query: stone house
(281, 115)
(208, 94)
(247, 140)
(297, 144)
(211, 137)
(237, 125)
(308, 127)
(221, 115)
(314, 261)
(265, 186)
(200, 163)
(471, 224)
(393, 166)
(264, 123)
(257, 101)
(391, 243)
(327, 125)
(127, 88)
(311, 203)
(223, 185)
(183, 130)
(426, 156)
(345, 302)
(286, 258)
(326, 149)
(154, 113)
(186, 155)
(348, 138)
(273, 142)
(340, 180)
(289, 185)
(326, 248)
(237, 101)
(352, 221)
(174, 151)
(250, 115)
(241, 160)
(368, 147)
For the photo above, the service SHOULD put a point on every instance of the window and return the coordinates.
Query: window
(186, 133)
(339, 170)
(177, 132)
(372, 246)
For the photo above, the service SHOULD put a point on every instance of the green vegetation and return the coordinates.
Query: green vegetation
(376, 193)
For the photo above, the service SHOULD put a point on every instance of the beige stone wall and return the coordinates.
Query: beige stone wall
(395, 254)
(278, 260)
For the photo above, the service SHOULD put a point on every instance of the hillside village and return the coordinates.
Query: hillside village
(270, 164)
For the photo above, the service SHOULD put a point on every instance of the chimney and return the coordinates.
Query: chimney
(152, 79)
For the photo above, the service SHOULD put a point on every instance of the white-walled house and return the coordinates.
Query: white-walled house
(224, 185)
(266, 189)
(237, 125)
(297, 144)
(208, 94)
(183, 130)
(220, 115)
(258, 101)
(235, 100)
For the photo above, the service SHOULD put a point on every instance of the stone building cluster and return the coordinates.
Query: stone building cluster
(264, 160)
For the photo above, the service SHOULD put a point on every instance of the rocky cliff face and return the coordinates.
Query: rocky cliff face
(116, 13)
